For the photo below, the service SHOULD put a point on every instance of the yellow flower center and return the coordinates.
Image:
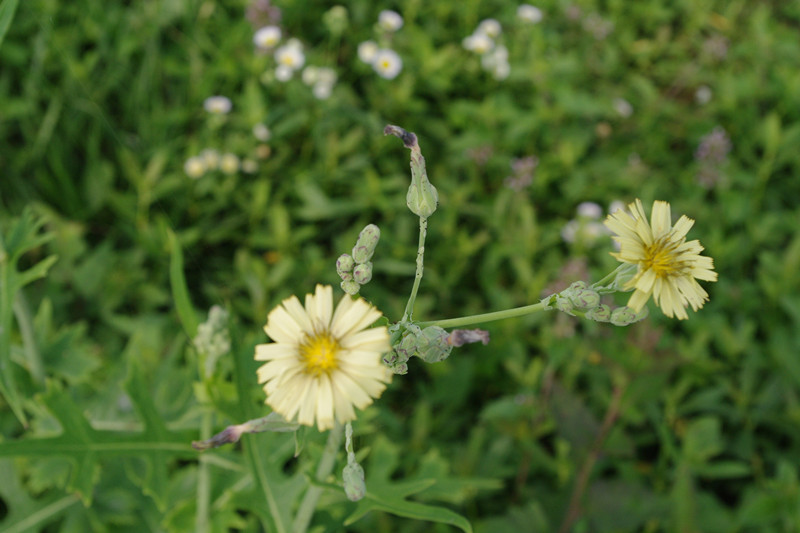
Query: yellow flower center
(660, 258)
(319, 354)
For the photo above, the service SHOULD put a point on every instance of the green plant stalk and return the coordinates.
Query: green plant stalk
(324, 469)
(423, 232)
(485, 317)
(203, 480)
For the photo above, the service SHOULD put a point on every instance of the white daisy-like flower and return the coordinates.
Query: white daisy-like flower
(530, 14)
(480, 43)
(229, 163)
(668, 266)
(195, 167)
(367, 51)
(310, 75)
(211, 158)
(261, 132)
(703, 95)
(217, 105)
(589, 210)
(249, 166)
(283, 73)
(290, 55)
(267, 37)
(387, 63)
(490, 27)
(390, 20)
(322, 363)
(623, 107)
(322, 90)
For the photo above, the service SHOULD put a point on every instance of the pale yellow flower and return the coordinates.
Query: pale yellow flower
(323, 363)
(668, 266)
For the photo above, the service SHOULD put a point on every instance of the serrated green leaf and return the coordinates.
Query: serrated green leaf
(85, 447)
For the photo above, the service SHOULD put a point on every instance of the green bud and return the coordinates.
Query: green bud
(344, 267)
(350, 287)
(354, 486)
(336, 19)
(422, 197)
(623, 316)
(362, 274)
(585, 299)
(432, 345)
(564, 305)
(601, 313)
(369, 236)
(641, 315)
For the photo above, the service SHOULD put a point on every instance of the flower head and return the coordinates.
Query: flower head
(323, 362)
(290, 55)
(390, 20)
(387, 63)
(267, 37)
(529, 14)
(668, 267)
(195, 167)
(217, 105)
(367, 51)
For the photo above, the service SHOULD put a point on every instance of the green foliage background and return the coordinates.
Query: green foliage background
(662, 426)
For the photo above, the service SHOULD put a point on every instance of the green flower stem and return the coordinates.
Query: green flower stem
(203, 480)
(485, 317)
(324, 469)
(423, 231)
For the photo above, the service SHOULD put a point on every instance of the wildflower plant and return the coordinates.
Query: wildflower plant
(325, 364)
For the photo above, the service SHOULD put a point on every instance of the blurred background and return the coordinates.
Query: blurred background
(532, 125)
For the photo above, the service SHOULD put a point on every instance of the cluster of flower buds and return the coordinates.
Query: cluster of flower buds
(578, 297)
(356, 269)
(432, 344)
(212, 340)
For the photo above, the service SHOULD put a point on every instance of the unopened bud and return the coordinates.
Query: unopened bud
(623, 316)
(362, 274)
(432, 345)
(369, 236)
(585, 299)
(601, 313)
(354, 486)
(564, 305)
(350, 287)
(344, 267)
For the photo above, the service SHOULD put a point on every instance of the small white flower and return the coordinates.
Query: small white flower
(249, 166)
(501, 70)
(217, 105)
(283, 73)
(570, 231)
(623, 107)
(229, 163)
(326, 75)
(390, 20)
(367, 51)
(703, 95)
(310, 75)
(489, 27)
(290, 55)
(261, 132)
(267, 37)
(387, 63)
(530, 14)
(322, 90)
(211, 158)
(195, 167)
(589, 210)
(480, 43)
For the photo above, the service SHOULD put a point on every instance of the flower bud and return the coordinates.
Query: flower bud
(564, 305)
(369, 237)
(623, 316)
(362, 274)
(354, 486)
(350, 287)
(432, 345)
(422, 197)
(601, 313)
(585, 299)
(344, 267)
